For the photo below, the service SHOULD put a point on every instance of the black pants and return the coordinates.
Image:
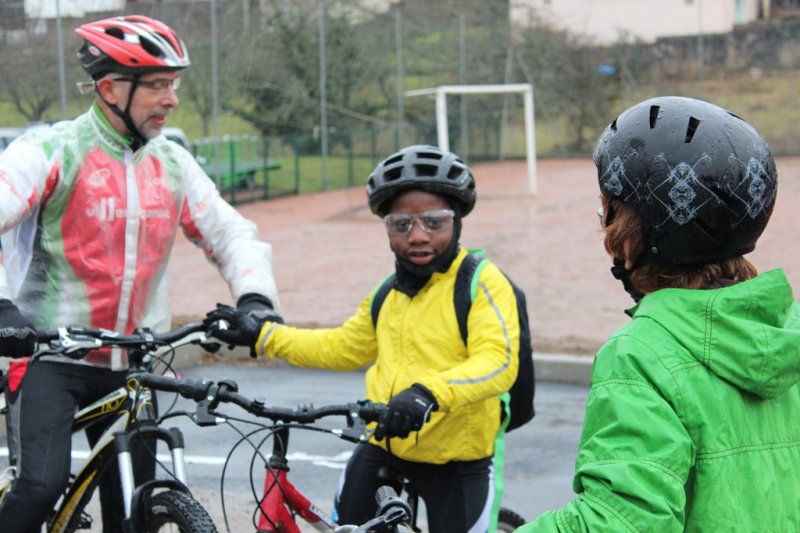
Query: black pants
(41, 414)
(458, 495)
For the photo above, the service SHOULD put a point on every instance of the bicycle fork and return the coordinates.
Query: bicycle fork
(132, 495)
(281, 499)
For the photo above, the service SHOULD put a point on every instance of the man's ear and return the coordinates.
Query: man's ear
(106, 89)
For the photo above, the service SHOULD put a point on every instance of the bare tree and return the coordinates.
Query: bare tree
(281, 81)
(29, 71)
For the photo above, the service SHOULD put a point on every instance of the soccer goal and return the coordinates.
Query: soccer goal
(442, 129)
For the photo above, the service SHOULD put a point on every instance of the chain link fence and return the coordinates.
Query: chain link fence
(276, 80)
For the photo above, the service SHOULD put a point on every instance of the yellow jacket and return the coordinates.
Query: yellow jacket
(417, 341)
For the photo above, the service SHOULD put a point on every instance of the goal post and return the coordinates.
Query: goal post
(442, 128)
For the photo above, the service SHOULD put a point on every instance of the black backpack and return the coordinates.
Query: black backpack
(520, 403)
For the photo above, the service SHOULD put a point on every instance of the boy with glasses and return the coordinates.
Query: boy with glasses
(89, 210)
(443, 410)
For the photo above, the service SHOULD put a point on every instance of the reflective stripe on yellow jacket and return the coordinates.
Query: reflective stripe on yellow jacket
(417, 341)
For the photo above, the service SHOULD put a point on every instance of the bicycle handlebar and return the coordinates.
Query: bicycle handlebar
(76, 341)
(209, 395)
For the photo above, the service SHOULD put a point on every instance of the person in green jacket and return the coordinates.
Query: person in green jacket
(692, 416)
(443, 415)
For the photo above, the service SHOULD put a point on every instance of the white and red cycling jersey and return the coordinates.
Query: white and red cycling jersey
(87, 227)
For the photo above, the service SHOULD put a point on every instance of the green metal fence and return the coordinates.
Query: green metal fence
(249, 168)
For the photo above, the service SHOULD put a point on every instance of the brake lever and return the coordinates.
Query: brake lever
(70, 341)
(356, 430)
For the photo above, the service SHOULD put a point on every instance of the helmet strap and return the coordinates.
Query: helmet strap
(624, 275)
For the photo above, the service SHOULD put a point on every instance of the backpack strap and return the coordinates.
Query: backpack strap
(466, 289)
(379, 296)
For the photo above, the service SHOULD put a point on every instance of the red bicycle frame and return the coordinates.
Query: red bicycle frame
(282, 501)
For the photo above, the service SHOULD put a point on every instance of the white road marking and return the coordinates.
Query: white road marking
(335, 462)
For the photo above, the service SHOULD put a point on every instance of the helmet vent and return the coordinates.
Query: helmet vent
(691, 129)
(613, 126)
(654, 110)
(426, 170)
(115, 32)
(455, 172)
(151, 48)
(392, 174)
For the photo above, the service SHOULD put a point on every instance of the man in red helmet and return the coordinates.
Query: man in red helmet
(89, 210)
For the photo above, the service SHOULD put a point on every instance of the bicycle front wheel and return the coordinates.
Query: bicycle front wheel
(174, 511)
(508, 521)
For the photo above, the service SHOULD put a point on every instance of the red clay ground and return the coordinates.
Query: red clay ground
(329, 251)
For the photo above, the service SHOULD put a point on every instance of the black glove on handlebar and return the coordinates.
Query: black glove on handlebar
(259, 307)
(17, 334)
(244, 322)
(406, 412)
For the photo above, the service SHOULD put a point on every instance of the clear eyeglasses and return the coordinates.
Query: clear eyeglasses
(429, 221)
(158, 85)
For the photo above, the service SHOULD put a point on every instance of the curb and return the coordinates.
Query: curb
(563, 368)
(557, 368)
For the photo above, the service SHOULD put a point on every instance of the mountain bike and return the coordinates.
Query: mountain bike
(156, 505)
(280, 503)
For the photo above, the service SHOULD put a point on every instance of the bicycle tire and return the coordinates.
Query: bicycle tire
(176, 508)
(508, 521)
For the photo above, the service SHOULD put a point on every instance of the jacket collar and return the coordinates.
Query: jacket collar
(111, 138)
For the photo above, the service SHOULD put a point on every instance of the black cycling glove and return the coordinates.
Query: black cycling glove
(17, 334)
(244, 322)
(406, 412)
(259, 307)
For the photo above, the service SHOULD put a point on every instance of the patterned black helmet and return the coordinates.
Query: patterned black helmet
(421, 167)
(702, 180)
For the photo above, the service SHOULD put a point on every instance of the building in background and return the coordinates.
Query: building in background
(606, 21)
(47, 9)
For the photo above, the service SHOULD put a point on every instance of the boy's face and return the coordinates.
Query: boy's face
(417, 245)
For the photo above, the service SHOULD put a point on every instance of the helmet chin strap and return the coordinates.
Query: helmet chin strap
(137, 139)
(624, 275)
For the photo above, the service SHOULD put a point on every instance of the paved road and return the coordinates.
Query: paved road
(540, 458)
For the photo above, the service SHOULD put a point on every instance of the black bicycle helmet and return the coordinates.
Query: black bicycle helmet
(421, 167)
(702, 180)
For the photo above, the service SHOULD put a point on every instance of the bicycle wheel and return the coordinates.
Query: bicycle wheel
(176, 511)
(508, 520)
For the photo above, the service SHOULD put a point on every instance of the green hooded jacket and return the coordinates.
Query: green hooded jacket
(693, 417)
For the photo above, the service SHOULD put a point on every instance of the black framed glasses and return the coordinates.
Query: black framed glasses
(429, 221)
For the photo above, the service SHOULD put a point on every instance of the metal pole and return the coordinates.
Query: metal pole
(504, 116)
(441, 119)
(62, 77)
(323, 104)
(530, 135)
(700, 53)
(462, 79)
(398, 43)
(504, 113)
(214, 83)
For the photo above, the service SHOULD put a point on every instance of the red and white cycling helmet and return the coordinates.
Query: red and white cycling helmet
(130, 44)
